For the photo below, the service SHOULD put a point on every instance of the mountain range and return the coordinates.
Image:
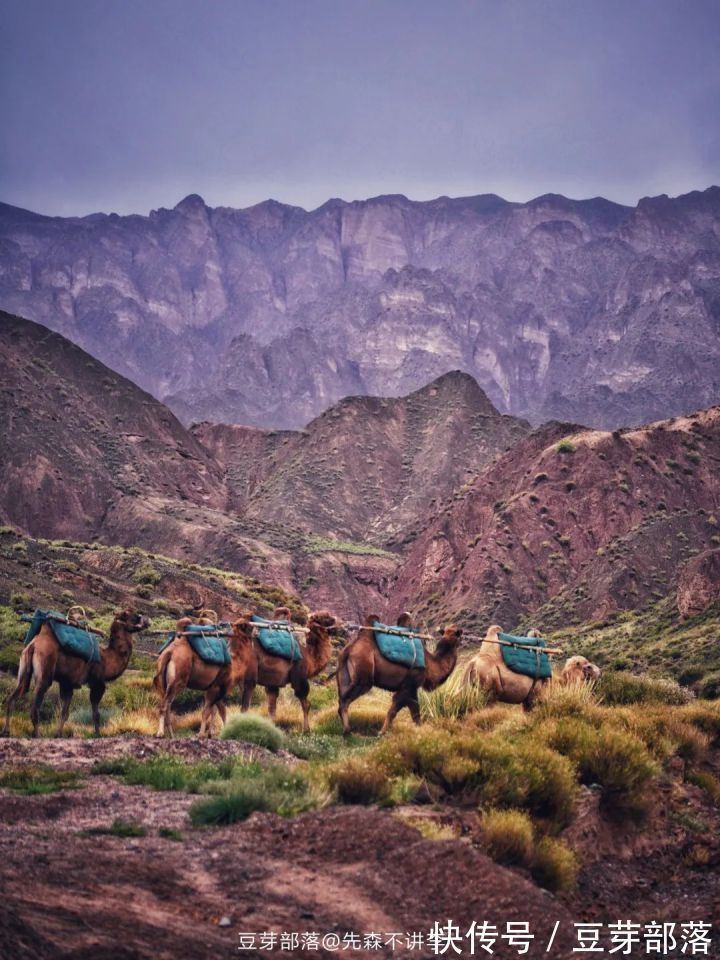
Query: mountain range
(434, 502)
(583, 310)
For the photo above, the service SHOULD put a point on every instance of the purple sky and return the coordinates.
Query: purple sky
(126, 105)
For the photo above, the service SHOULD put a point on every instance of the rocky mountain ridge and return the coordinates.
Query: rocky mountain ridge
(266, 316)
(433, 502)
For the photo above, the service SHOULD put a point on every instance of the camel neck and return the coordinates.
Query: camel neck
(317, 648)
(116, 655)
(441, 663)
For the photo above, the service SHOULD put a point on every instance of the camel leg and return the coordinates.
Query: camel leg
(165, 722)
(272, 699)
(23, 685)
(401, 698)
(96, 695)
(213, 699)
(248, 689)
(301, 689)
(66, 695)
(222, 711)
(44, 671)
(414, 708)
(347, 697)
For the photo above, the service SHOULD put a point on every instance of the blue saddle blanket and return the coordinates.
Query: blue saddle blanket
(278, 643)
(530, 662)
(406, 650)
(73, 640)
(205, 643)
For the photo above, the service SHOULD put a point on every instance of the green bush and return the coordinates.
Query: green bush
(250, 728)
(508, 836)
(38, 780)
(617, 689)
(119, 828)
(355, 780)
(615, 759)
(147, 574)
(554, 865)
(253, 787)
(565, 446)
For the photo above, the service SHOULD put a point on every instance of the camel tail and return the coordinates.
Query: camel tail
(468, 678)
(164, 675)
(344, 675)
(26, 667)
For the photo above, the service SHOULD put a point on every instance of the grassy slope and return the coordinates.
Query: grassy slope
(654, 641)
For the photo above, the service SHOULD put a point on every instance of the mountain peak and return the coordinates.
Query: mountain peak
(191, 203)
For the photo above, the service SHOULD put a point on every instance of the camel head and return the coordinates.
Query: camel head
(452, 635)
(131, 622)
(493, 631)
(404, 620)
(579, 670)
(323, 618)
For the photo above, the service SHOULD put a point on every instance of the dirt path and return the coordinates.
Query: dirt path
(67, 894)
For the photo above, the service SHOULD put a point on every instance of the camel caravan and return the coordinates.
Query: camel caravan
(205, 654)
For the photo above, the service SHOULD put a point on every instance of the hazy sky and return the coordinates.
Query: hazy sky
(127, 105)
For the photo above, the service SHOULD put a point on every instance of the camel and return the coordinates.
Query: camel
(361, 667)
(45, 660)
(179, 667)
(276, 672)
(487, 669)
(578, 670)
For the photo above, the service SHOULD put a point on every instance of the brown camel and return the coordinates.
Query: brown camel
(179, 667)
(45, 660)
(276, 672)
(487, 669)
(361, 667)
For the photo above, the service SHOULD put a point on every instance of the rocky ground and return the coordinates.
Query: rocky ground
(178, 891)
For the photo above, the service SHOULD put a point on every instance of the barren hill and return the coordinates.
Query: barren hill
(572, 524)
(586, 310)
(369, 468)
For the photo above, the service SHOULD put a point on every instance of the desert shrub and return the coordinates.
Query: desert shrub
(526, 775)
(229, 807)
(355, 780)
(38, 780)
(709, 686)
(119, 828)
(10, 657)
(575, 699)
(364, 720)
(565, 446)
(165, 772)
(708, 782)
(11, 628)
(617, 689)
(147, 574)
(705, 717)
(143, 721)
(508, 836)
(615, 759)
(554, 865)
(313, 746)
(82, 715)
(451, 701)
(253, 787)
(250, 728)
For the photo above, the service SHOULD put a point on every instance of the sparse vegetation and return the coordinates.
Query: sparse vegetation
(250, 728)
(38, 780)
